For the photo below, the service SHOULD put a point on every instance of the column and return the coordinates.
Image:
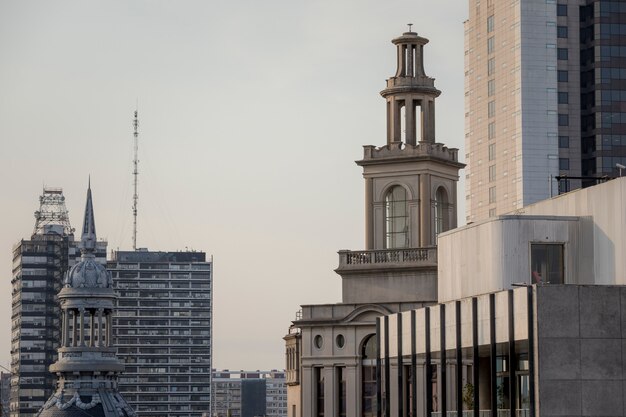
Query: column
(82, 327)
(369, 213)
(74, 328)
(409, 61)
(425, 137)
(425, 212)
(109, 322)
(409, 112)
(91, 328)
(100, 327)
(66, 328)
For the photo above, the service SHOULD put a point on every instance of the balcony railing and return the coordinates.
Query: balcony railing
(388, 257)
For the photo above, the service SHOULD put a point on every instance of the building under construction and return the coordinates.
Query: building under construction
(38, 268)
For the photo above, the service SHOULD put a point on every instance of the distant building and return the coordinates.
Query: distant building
(87, 367)
(5, 392)
(410, 199)
(544, 98)
(38, 268)
(249, 394)
(162, 329)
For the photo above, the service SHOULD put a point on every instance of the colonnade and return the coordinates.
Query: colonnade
(77, 337)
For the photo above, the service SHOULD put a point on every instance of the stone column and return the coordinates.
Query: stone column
(409, 61)
(109, 333)
(82, 327)
(425, 122)
(74, 328)
(369, 213)
(425, 211)
(66, 328)
(92, 332)
(100, 327)
(409, 120)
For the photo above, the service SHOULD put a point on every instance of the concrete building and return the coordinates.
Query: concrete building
(5, 393)
(87, 367)
(249, 394)
(410, 198)
(162, 328)
(555, 346)
(543, 98)
(38, 268)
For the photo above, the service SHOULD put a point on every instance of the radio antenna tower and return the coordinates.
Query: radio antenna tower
(135, 174)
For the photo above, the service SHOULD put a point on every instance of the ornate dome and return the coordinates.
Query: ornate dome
(88, 274)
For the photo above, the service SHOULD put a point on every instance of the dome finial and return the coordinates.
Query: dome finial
(410, 24)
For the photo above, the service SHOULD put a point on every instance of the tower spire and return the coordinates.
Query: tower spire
(135, 174)
(88, 238)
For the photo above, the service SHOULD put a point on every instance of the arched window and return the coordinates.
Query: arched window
(368, 372)
(396, 218)
(441, 208)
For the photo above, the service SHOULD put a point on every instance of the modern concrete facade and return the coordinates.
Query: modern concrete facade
(87, 367)
(410, 198)
(542, 91)
(552, 347)
(162, 329)
(249, 393)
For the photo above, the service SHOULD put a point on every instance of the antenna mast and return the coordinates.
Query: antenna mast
(135, 173)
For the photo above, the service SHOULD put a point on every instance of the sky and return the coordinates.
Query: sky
(252, 114)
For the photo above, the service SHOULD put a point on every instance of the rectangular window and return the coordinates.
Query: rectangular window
(490, 45)
(561, 9)
(563, 119)
(490, 24)
(492, 212)
(492, 173)
(563, 164)
(491, 108)
(491, 87)
(492, 151)
(492, 195)
(546, 263)
(491, 66)
(492, 130)
(562, 54)
(561, 31)
(563, 97)
(563, 141)
(562, 76)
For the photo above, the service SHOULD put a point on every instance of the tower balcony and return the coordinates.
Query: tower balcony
(387, 259)
(388, 275)
(401, 150)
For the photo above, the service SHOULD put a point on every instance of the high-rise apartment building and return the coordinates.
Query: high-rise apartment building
(249, 393)
(162, 328)
(5, 391)
(544, 87)
(38, 268)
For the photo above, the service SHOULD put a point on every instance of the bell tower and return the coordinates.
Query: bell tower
(411, 182)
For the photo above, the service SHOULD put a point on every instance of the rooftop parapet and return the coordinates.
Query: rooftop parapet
(404, 150)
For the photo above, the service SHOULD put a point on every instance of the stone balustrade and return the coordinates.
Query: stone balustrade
(426, 256)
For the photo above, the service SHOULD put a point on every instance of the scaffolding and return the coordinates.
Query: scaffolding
(52, 212)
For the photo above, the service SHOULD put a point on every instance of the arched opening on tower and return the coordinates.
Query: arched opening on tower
(396, 218)
(441, 208)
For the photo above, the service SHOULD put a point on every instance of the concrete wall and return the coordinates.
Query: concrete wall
(581, 343)
(605, 204)
(493, 255)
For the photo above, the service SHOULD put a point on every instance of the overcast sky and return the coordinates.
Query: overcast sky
(252, 114)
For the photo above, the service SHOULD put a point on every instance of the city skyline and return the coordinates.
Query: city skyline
(245, 152)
